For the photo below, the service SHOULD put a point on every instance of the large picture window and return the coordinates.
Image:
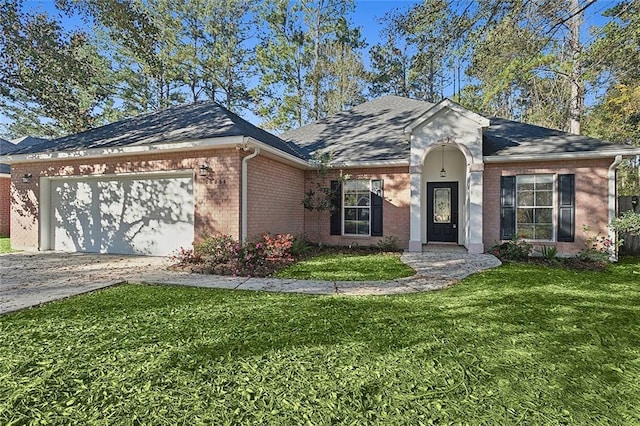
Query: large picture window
(357, 207)
(534, 207)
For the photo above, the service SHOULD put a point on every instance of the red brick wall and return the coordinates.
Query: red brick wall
(216, 196)
(591, 196)
(5, 205)
(395, 208)
(275, 192)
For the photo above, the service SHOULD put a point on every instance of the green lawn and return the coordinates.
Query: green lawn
(5, 245)
(517, 344)
(348, 267)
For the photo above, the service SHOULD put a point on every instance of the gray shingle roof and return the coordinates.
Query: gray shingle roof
(26, 141)
(5, 148)
(372, 131)
(505, 137)
(175, 124)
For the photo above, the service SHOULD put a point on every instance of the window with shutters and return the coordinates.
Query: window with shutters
(535, 207)
(356, 204)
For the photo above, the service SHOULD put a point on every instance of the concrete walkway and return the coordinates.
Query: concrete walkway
(29, 279)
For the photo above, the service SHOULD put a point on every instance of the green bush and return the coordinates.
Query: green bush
(514, 249)
(300, 247)
(627, 223)
(549, 252)
(389, 243)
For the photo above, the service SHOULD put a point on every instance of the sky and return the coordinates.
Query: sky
(366, 16)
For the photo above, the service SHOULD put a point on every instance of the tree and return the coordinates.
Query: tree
(614, 58)
(141, 38)
(52, 82)
(297, 61)
(319, 199)
(343, 71)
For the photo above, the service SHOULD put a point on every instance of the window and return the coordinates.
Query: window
(528, 203)
(357, 207)
(534, 206)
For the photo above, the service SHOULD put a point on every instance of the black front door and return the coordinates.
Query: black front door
(442, 212)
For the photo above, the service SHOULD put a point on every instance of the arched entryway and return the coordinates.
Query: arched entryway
(444, 195)
(450, 132)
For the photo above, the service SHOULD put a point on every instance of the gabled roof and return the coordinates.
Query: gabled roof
(176, 124)
(5, 148)
(370, 132)
(26, 141)
(446, 104)
(511, 138)
(375, 132)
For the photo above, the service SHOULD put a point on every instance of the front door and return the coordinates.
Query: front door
(442, 212)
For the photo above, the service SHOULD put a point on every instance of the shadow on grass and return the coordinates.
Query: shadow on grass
(517, 342)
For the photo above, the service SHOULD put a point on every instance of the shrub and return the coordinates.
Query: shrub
(549, 252)
(514, 249)
(598, 247)
(300, 247)
(217, 250)
(627, 223)
(185, 257)
(224, 255)
(389, 243)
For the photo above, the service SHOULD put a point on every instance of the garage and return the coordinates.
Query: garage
(135, 214)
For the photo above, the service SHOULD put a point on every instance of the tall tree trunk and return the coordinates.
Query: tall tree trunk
(577, 85)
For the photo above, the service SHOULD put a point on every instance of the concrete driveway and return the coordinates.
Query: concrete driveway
(28, 279)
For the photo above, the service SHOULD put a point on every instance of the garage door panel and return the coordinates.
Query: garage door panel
(151, 216)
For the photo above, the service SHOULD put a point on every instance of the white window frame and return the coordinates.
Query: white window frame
(345, 206)
(553, 208)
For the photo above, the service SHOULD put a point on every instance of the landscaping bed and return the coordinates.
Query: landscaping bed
(284, 256)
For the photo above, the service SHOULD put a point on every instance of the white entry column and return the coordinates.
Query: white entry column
(415, 224)
(475, 173)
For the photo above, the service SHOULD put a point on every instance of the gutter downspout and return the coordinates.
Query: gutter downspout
(243, 230)
(612, 206)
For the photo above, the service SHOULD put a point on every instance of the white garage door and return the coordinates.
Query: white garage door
(132, 215)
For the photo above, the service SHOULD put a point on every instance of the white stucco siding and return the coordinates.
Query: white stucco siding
(460, 132)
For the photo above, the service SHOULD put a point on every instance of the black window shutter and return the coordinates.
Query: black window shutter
(377, 198)
(566, 208)
(336, 208)
(507, 207)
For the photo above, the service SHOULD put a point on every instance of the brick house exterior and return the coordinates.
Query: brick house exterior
(6, 147)
(5, 205)
(401, 168)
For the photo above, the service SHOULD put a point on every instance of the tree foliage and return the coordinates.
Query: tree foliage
(309, 62)
(52, 81)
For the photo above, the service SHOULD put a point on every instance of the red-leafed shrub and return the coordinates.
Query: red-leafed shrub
(224, 255)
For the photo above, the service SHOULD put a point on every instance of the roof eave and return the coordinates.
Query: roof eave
(285, 156)
(192, 145)
(560, 156)
(368, 164)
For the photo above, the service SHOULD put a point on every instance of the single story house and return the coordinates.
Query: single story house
(420, 172)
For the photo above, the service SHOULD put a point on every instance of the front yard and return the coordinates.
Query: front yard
(518, 344)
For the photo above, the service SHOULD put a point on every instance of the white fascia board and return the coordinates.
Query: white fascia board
(274, 152)
(447, 103)
(368, 164)
(192, 145)
(560, 156)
